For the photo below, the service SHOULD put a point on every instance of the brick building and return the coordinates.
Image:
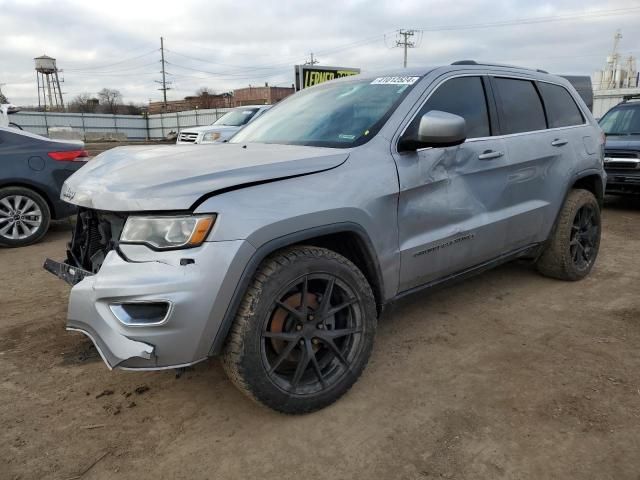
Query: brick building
(242, 96)
(260, 95)
(206, 100)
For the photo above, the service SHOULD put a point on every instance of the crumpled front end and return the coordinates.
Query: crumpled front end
(146, 309)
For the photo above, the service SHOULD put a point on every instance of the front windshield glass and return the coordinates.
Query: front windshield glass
(236, 118)
(339, 115)
(622, 121)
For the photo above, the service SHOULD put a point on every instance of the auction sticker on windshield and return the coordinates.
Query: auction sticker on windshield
(395, 80)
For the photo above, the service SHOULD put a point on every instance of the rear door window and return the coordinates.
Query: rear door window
(463, 96)
(520, 106)
(562, 110)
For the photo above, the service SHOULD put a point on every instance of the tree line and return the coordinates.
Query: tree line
(107, 100)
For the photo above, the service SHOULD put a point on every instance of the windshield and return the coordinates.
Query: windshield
(236, 118)
(622, 121)
(339, 115)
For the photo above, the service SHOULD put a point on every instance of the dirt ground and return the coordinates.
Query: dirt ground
(507, 375)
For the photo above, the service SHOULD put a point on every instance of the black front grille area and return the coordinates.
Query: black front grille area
(621, 160)
(96, 233)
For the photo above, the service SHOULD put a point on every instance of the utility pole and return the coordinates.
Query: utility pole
(164, 78)
(405, 42)
(311, 62)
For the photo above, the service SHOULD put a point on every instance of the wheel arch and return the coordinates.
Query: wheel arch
(348, 239)
(592, 182)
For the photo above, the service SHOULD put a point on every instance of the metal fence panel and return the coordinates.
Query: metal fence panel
(136, 127)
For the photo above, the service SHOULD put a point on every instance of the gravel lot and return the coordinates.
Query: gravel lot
(507, 375)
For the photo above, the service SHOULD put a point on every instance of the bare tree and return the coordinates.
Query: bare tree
(84, 103)
(110, 99)
(3, 98)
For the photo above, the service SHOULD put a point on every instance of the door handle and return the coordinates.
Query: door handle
(490, 155)
(558, 142)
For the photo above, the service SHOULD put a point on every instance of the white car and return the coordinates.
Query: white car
(223, 128)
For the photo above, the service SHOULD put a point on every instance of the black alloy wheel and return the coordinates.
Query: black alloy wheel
(312, 335)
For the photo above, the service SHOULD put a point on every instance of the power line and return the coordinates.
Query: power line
(100, 67)
(532, 20)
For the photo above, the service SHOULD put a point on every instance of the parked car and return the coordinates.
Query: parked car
(32, 171)
(281, 254)
(7, 109)
(621, 125)
(223, 128)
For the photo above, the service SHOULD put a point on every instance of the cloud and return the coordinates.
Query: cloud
(230, 44)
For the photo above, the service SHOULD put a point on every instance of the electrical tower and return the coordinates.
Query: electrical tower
(163, 82)
(48, 83)
(405, 42)
(311, 62)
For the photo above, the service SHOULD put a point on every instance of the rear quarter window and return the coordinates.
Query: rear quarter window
(520, 106)
(562, 110)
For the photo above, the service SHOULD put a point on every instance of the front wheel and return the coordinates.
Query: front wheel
(24, 216)
(304, 332)
(574, 244)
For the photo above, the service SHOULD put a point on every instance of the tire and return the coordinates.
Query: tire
(573, 247)
(24, 216)
(279, 347)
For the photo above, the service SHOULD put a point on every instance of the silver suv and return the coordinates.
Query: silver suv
(223, 128)
(280, 250)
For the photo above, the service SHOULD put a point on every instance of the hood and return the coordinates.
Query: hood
(623, 142)
(211, 128)
(174, 177)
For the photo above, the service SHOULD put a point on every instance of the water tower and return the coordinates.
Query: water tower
(48, 84)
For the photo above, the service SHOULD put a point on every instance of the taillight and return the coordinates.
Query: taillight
(70, 156)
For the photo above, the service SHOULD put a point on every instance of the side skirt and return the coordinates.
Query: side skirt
(530, 251)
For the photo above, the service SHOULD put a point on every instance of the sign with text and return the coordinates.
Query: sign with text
(310, 75)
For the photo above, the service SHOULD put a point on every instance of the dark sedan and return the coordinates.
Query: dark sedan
(621, 125)
(32, 171)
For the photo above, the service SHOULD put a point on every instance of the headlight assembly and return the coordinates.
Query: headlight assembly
(165, 233)
(210, 137)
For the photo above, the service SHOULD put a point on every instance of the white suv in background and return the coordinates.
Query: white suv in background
(223, 128)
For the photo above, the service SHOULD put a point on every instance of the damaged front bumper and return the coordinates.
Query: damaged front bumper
(196, 294)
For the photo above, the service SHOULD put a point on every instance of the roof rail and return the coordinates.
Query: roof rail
(473, 62)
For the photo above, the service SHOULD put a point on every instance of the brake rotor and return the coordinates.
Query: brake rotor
(280, 316)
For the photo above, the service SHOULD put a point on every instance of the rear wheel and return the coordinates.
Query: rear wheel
(24, 216)
(304, 332)
(573, 247)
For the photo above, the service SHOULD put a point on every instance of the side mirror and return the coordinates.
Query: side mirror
(437, 129)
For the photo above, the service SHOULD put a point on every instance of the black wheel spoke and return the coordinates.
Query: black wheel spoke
(332, 311)
(284, 354)
(336, 351)
(342, 332)
(316, 366)
(296, 313)
(305, 292)
(300, 369)
(326, 297)
(287, 336)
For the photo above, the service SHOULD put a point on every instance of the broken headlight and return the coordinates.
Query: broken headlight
(166, 233)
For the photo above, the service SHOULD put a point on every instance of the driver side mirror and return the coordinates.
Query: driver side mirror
(436, 129)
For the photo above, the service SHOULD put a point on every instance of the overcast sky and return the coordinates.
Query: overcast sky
(229, 44)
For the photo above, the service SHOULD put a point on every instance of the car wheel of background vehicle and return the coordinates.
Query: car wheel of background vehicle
(24, 216)
(574, 244)
(15, 125)
(304, 331)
